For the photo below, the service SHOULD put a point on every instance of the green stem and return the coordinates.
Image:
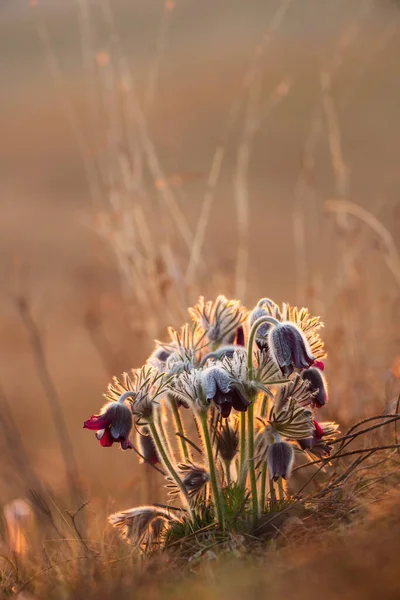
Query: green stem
(242, 463)
(179, 425)
(272, 492)
(228, 471)
(250, 411)
(216, 490)
(158, 415)
(167, 463)
(252, 335)
(252, 469)
(281, 491)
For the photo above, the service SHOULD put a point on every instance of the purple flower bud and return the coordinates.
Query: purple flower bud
(113, 424)
(219, 388)
(227, 440)
(317, 384)
(280, 458)
(289, 348)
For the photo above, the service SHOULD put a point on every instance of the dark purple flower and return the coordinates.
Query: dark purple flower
(280, 456)
(317, 384)
(289, 348)
(219, 388)
(113, 424)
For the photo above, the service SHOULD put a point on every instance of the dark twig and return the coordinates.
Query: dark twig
(73, 516)
(148, 463)
(352, 453)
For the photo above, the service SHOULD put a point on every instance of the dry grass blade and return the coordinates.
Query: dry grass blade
(391, 253)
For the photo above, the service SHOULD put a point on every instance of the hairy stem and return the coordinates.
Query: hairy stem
(252, 336)
(272, 492)
(281, 490)
(242, 463)
(167, 462)
(228, 471)
(252, 469)
(179, 425)
(215, 486)
(250, 412)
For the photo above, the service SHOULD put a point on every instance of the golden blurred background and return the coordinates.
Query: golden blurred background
(152, 151)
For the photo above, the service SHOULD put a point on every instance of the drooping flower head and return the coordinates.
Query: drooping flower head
(264, 308)
(220, 319)
(289, 348)
(113, 424)
(219, 388)
(317, 385)
(280, 458)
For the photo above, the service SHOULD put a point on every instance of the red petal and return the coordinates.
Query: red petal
(319, 432)
(318, 364)
(97, 422)
(106, 439)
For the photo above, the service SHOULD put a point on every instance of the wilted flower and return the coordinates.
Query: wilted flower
(219, 388)
(113, 424)
(317, 385)
(146, 446)
(289, 348)
(280, 458)
(219, 319)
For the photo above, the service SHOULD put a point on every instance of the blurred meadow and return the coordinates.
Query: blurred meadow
(154, 151)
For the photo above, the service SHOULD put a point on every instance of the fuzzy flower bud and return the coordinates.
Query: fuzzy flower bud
(218, 387)
(317, 384)
(280, 458)
(227, 440)
(289, 348)
(113, 424)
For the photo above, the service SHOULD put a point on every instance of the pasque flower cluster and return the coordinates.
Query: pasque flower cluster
(228, 402)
